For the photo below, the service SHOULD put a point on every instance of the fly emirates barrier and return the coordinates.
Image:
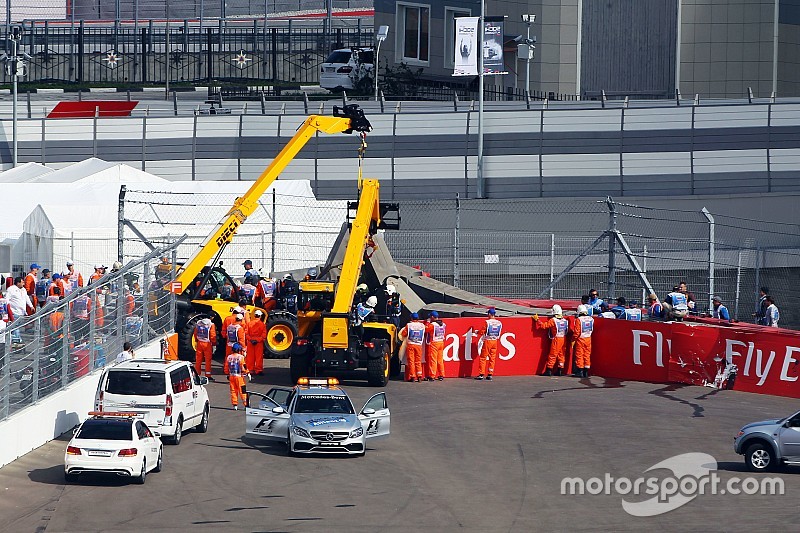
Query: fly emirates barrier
(692, 353)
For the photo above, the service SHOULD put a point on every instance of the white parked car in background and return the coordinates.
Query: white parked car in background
(113, 443)
(346, 67)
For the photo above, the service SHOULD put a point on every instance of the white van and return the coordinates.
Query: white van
(170, 396)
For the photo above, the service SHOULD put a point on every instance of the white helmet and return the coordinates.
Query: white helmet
(239, 316)
(371, 301)
(238, 310)
(362, 287)
(390, 289)
(583, 310)
(557, 310)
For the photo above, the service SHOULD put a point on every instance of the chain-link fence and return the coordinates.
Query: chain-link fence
(76, 333)
(716, 255)
(510, 248)
(286, 232)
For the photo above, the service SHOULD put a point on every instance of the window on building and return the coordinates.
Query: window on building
(414, 22)
(450, 16)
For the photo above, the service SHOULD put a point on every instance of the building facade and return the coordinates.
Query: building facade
(638, 48)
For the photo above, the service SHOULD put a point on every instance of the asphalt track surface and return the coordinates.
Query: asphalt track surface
(463, 455)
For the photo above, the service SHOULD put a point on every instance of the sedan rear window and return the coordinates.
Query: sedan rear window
(339, 57)
(136, 383)
(105, 430)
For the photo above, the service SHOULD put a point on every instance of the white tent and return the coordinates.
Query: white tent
(55, 234)
(72, 214)
(25, 173)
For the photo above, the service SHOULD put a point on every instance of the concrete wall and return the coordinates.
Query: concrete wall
(55, 414)
(557, 152)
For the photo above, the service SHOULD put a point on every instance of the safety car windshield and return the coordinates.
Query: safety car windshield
(323, 403)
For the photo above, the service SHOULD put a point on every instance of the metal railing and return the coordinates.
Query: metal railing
(70, 337)
(153, 54)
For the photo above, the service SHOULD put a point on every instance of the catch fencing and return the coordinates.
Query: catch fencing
(73, 336)
(510, 248)
(286, 232)
(487, 252)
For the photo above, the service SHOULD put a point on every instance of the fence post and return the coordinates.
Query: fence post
(644, 271)
(6, 381)
(274, 54)
(146, 302)
(738, 283)
(80, 53)
(552, 261)
(92, 329)
(758, 277)
(72, 244)
(612, 252)
(173, 275)
(121, 224)
(65, 355)
(37, 335)
(456, 243)
(274, 203)
(711, 250)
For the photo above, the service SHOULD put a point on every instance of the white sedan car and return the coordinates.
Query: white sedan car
(113, 443)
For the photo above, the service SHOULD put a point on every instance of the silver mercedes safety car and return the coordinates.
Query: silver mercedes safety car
(316, 416)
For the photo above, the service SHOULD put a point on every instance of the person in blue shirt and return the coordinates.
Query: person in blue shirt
(619, 309)
(596, 303)
(720, 311)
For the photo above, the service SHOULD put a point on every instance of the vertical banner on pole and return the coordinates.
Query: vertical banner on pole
(493, 62)
(466, 47)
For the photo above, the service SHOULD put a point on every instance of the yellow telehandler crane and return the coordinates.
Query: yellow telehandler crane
(204, 288)
(331, 336)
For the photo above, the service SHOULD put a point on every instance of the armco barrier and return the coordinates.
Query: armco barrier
(55, 414)
(659, 352)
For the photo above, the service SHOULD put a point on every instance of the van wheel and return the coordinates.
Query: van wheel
(140, 479)
(203, 426)
(176, 439)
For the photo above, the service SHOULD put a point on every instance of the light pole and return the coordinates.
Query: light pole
(15, 67)
(529, 48)
(383, 32)
(481, 23)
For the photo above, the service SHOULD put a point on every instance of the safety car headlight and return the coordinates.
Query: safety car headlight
(300, 432)
(356, 433)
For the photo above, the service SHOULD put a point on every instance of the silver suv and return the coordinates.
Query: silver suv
(769, 443)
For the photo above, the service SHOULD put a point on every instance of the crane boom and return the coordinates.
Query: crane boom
(368, 219)
(344, 120)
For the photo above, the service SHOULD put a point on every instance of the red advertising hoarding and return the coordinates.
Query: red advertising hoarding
(680, 352)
